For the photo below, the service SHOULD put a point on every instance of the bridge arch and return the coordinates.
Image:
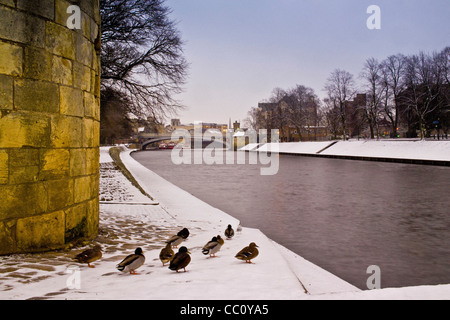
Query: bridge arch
(194, 141)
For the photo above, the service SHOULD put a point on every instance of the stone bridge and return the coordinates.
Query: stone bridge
(205, 142)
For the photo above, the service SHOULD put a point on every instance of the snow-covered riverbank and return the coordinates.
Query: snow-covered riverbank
(419, 150)
(129, 219)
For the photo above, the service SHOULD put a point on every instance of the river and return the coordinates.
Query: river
(342, 215)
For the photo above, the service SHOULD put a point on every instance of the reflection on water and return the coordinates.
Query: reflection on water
(341, 215)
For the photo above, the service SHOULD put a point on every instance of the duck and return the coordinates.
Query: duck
(166, 254)
(175, 240)
(132, 262)
(248, 253)
(184, 233)
(90, 255)
(212, 247)
(229, 232)
(180, 260)
(220, 240)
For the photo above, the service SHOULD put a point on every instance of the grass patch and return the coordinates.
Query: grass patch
(114, 152)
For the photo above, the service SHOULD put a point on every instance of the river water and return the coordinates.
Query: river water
(342, 215)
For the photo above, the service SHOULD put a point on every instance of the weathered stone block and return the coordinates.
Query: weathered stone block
(24, 165)
(11, 59)
(81, 76)
(76, 222)
(24, 157)
(61, 14)
(93, 216)
(96, 134)
(19, 129)
(60, 194)
(94, 31)
(4, 167)
(21, 27)
(37, 64)
(96, 89)
(22, 200)
(54, 164)
(36, 96)
(6, 92)
(83, 50)
(42, 232)
(24, 174)
(71, 102)
(62, 71)
(66, 132)
(44, 8)
(60, 40)
(82, 189)
(95, 186)
(7, 238)
(77, 162)
(89, 105)
(88, 132)
(92, 161)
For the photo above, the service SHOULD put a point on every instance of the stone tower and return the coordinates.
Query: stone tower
(49, 123)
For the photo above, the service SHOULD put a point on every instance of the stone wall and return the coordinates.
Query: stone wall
(49, 124)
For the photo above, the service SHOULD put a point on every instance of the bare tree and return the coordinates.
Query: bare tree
(302, 108)
(424, 80)
(332, 117)
(279, 114)
(115, 122)
(141, 55)
(251, 121)
(393, 70)
(340, 87)
(372, 76)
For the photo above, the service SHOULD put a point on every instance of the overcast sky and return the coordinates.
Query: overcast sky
(240, 50)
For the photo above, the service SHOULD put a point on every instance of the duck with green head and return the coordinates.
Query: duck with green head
(132, 262)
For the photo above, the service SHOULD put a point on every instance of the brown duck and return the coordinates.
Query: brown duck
(166, 254)
(248, 253)
(181, 260)
(89, 256)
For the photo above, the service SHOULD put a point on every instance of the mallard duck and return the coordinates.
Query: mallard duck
(181, 260)
(175, 240)
(166, 254)
(212, 247)
(220, 240)
(248, 253)
(183, 233)
(132, 262)
(229, 232)
(89, 256)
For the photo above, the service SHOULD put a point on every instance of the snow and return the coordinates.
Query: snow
(412, 149)
(250, 147)
(295, 147)
(127, 221)
(395, 149)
